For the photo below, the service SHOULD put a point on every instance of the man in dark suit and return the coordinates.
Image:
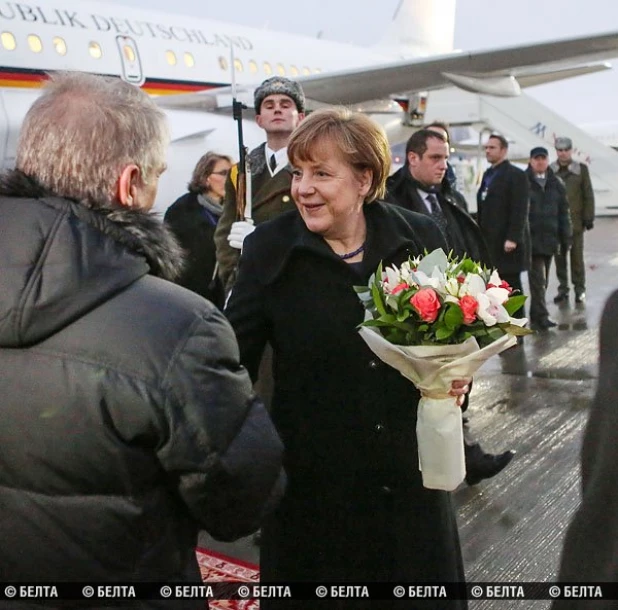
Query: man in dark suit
(279, 107)
(502, 202)
(422, 186)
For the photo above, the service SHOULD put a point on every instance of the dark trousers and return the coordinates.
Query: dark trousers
(514, 281)
(538, 277)
(578, 268)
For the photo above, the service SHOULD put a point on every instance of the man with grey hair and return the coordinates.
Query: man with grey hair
(576, 177)
(126, 421)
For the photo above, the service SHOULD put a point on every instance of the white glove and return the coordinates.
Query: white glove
(238, 232)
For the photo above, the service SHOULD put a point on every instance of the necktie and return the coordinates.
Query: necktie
(437, 214)
(273, 163)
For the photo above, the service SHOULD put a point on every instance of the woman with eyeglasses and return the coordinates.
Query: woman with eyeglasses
(193, 219)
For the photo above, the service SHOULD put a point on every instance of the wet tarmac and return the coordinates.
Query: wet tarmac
(534, 400)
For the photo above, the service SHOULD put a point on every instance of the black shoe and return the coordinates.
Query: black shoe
(580, 298)
(488, 466)
(561, 298)
(545, 325)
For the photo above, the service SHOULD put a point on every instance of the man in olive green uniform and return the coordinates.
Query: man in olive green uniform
(580, 195)
(279, 107)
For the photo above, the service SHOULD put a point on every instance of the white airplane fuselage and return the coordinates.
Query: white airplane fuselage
(168, 55)
(165, 55)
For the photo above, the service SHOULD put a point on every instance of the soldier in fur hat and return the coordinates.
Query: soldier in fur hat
(279, 108)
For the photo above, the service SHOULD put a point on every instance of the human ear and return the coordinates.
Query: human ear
(126, 187)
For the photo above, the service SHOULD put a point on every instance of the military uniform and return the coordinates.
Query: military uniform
(270, 197)
(580, 195)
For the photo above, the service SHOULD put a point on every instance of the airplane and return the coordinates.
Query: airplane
(185, 63)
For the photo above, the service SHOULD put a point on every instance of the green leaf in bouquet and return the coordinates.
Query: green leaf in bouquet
(513, 329)
(437, 258)
(392, 301)
(515, 303)
(402, 316)
(376, 293)
(444, 332)
(453, 317)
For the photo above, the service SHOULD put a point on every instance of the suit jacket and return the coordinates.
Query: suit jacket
(270, 197)
(464, 235)
(503, 215)
(590, 551)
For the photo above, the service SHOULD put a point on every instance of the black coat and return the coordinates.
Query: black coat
(194, 227)
(503, 215)
(464, 235)
(126, 422)
(591, 542)
(355, 508)
(550, 224)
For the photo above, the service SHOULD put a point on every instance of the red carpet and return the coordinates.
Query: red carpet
(216, 567)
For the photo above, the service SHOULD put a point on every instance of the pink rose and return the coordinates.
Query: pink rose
(427, 303)
(468, 305)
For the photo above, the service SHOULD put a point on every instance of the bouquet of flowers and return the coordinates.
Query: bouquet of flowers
(435, 319)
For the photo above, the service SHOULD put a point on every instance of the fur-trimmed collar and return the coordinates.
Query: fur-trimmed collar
(141, 232)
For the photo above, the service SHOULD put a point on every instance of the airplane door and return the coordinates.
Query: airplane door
(130, 60)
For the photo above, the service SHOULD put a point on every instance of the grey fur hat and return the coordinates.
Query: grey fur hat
(282, 86)
(563, 142)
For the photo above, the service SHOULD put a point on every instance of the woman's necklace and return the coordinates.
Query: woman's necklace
(347, 255)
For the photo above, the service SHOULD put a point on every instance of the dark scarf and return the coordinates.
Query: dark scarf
(141, 232)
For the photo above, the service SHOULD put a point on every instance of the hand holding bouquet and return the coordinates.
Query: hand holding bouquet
(437, 319)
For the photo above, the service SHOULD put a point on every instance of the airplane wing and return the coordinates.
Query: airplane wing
(353, 86)
(496, 72)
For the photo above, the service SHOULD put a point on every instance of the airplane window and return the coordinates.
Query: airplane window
(171, 57)
(280, 70)
(238, 65)
(293, 70)
(306, 70)
(94, 48)
(267, 68)
(253, 67)
(189, 61)
(35, 44)
(8, 41)
(223, 63)
(129, 53)
(60, 45)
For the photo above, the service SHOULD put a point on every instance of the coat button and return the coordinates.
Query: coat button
(379, 428)
(285, 198)
(373, 364)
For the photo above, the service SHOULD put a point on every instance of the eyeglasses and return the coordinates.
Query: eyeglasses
(222, 172)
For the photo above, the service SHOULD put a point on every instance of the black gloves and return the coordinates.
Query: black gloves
(588, 224)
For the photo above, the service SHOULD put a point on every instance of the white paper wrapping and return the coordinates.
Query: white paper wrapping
(432, 369)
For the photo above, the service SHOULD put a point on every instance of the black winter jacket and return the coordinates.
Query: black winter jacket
(126, 421)
(355, 508)
(549, 217)
(194, 227)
